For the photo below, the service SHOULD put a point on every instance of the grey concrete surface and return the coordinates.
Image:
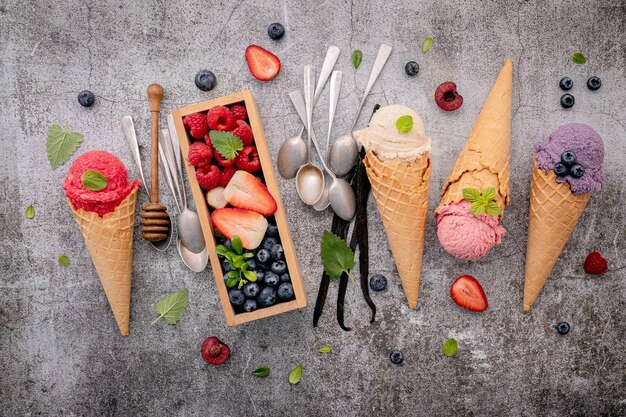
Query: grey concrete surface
(60, 351)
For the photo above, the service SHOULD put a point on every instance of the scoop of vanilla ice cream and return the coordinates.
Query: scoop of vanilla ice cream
(383, 138)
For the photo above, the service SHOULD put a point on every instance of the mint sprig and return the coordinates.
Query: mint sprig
(482, 203)
(239, 275)
(61, 144)
(93, 180)
(227, 144)
(404, 124)
(172, 307)
(337, 257)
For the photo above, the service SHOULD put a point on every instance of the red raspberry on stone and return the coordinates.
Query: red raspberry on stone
(200, 154)
(239, 112)
(248, 159)
(220, 118)
(196, 124)
(208, 176)
(243, 132)
(227, 174)
(595, 264)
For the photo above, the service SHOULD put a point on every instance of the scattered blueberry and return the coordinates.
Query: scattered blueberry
(396, 357)
(236, 297)
(412, 68)
(577, 171)
(267, 297)
(226, 267)
(285, 291)
(567, 101)
(251, 264)
(278, 267)
(205, 80)
(285, 278)
(86, 98)
(249, 305)
(277, 252)
(568, 158)
(272, 230)
(378, 282)
(271, 279)
(251, 290)
(268, 243)
(560, 170)
(275, 31)
(566, 83)
(263, 255)
(594, 83)
(562, 327)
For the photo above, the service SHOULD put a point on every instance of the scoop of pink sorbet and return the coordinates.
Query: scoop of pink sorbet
(464, 235)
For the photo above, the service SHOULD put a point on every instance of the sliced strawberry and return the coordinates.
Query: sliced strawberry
(263, 64)
(250, 226)
(215, 198)
(467, 293)
(246, 191)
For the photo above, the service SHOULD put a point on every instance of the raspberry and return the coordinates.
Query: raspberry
(248, 159)
(200, 154)
(222, 161)
(239, 112)
(196, 124)
(220, 118)
(227, 174)
(208, 176)
(244, 132)
(595, 264)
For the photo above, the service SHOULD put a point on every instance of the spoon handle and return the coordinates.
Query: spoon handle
(131, 136)
(327, 67)
(309, 95)
(335, 88)
(164, 167)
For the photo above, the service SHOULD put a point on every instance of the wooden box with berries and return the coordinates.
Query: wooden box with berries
(237, 197)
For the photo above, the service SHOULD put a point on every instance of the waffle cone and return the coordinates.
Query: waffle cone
(554, 212)
(484, 161)
(110, 243)
(401, 192)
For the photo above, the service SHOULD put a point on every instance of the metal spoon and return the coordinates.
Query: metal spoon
(129, 131)
(293, 152)
(335, 87)
(340, 193)
(309, 179)
(345, 150)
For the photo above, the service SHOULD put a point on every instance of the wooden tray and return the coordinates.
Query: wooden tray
(300, 301)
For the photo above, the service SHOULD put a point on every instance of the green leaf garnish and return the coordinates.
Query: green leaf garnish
(450, 347)
(471, 195)
(239, 275)
(93, 180)
(295, 375)
(222, 250)
(237, 244)
(337, 257)
(357, 57)
(64, 261)
(250, 275)
(404, 124)
(261, 372)
(325, 349)
(427, 44)
(227, 144)
(578, 58)
(484, 203)
(172, 307)
(61, 144)
(30, 212)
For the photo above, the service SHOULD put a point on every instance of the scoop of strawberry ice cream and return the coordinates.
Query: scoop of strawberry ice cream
(106, 200)
(464, 235)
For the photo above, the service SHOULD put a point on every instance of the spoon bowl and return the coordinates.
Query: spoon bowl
(196, 262)
(190, 230)
(342, 199)
(309, 183)
(324, 201)
(343, 154)
(291, 156)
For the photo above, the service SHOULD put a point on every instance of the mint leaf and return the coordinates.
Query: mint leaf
(30, 212)
(578, 58)
(471, 194)
(493, 209)
(295, 375)
(427, 44)
(450, 347)
(64, 261)
(261, 372)
(61, 144)
(489, 194)
(222, 250)
(357, 57)
(93, 180)
(337, 257)
(233, 278)
(477, 209)
(325, 349)
(227, 144)
(404, 124)
(250, 275)
(172, 307)
(237, 244)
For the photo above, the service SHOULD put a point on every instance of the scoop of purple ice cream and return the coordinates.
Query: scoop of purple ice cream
(588, 147)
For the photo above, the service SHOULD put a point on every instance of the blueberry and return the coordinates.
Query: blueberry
(285, 277)
(205, 80)
(278, 267)
(263, 255)
(272, 230)
(268, 243)
(86, 98)
(594, 83)
(260, 277)
(267, 297)
(412, 68)
(271, 279)
(567, 101)
(562, 327)
(566, 83)
(568, 158)
(285, 291)
(236, 297)
(228, 244)
(251, 264)
(251, 290)
(225, 267)
(378, 282)
(249, 305)
(577, 171)
(277, 252)
(560, 170)
(396, 357)
(276, 31)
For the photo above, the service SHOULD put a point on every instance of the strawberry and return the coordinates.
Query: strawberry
(208, 176)
(246, 191)
(595, 264)
(220, 118)
(243, 132)
(196, 124)
(263, 64)
(248, 159)
(239, 112)
(200, 154)
(215, 198)
(250, 226)
(467, 293)
(227, 174)
(214, 351)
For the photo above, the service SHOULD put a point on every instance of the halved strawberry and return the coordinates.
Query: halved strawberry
(263, 64)
(250, 226)
(245, 191)
(467, 293)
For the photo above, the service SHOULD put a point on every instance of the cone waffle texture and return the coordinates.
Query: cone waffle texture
(110, 243)
(554, 212)
(484, 161)
(401, 192)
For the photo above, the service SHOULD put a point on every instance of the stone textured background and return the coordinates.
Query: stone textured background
(60, 350)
